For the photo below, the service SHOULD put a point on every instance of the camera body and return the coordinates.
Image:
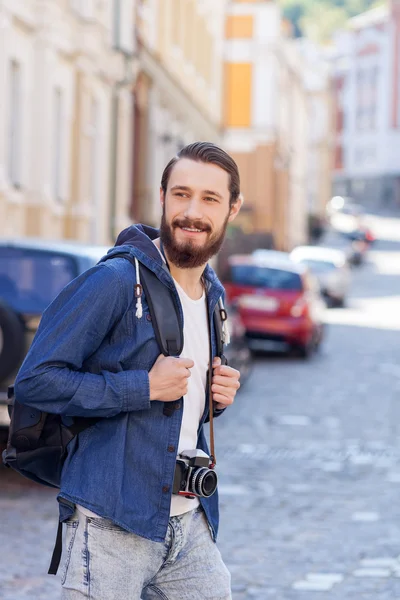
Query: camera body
(193, 475)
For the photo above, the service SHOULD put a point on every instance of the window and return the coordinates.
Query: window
(31, 279)
(123, 34)
(15, 125)
(339, 157)
(86, 8)
(359, 156)
(265, 277)
(177, 22)
(57, 147)
(373, 97)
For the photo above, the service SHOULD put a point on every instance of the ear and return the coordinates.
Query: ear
(162, 199)
(234, 211)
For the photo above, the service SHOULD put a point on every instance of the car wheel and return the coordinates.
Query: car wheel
(340, 303)
(11, 341)
(306, 350)
(319, 337)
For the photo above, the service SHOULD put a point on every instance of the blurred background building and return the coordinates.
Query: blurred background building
(366, 76)
(98, 96)
(65, 118)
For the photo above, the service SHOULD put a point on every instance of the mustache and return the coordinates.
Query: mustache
(191, 224)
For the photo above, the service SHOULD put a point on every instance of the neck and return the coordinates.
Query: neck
(190, 280)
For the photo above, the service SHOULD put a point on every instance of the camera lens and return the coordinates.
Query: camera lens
(204, 482)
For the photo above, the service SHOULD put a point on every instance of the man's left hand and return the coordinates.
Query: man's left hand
(225, 384)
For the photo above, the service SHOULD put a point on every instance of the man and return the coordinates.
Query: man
(95, 355)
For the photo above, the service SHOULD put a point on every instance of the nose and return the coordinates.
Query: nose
(193, 209)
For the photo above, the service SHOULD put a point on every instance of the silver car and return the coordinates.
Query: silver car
(331, 268)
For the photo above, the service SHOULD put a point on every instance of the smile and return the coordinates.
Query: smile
(191, 230)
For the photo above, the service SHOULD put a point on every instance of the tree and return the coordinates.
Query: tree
(318, 19)
(322, 20)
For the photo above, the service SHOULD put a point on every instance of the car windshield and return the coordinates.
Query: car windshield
(31, 279)
(319, 266)
(265, 277)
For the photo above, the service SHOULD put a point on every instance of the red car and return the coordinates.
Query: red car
(279, 302)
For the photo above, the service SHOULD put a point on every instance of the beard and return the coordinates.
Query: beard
(190, 255)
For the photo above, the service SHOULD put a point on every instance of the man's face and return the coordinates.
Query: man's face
(196, 212)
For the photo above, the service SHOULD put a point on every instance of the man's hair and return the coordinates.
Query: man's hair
(207, 152)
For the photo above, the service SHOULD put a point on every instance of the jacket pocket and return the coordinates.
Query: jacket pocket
(72, 527)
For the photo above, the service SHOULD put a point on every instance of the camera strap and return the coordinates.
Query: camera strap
(211, 403)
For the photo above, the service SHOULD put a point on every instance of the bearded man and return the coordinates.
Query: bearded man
(128, 536)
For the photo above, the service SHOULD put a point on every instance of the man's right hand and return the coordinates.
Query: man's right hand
(169, 378)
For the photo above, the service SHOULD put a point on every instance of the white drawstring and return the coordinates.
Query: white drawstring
(138, 292)
(226, 338)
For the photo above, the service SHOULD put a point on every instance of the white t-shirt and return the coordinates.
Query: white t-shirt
(196, 347)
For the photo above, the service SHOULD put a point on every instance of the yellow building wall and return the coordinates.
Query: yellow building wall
(238, 88)
(266, 193)
(239, 26)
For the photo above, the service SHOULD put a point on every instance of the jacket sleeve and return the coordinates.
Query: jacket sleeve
(52, 377)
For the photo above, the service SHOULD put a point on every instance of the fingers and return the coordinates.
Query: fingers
(216, 362)
(187, 373)
(226, 371)
(226, 381)
(186, 362)
(221, 399)
(225, 391)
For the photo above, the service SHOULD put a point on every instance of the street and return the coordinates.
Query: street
(308, 462)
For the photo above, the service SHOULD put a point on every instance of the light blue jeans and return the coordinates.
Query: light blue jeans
(105, 562)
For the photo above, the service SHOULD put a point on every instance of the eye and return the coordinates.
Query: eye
(210, 199)
(181, 194)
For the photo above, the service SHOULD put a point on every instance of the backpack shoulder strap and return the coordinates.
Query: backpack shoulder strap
(164, 313)
(218, 330)
(220, 316)
(163, 310)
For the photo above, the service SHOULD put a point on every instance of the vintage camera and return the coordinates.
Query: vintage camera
(193, 476)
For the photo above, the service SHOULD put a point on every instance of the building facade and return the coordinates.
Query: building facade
(366, 69)
(265, 121)
(67, 70)
(318, 85)
(178, 90)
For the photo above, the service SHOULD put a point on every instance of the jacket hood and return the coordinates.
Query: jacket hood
(140, 237)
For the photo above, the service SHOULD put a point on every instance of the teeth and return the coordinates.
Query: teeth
(187, 229)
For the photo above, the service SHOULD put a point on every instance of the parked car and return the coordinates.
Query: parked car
(279, 302)
(32, 273)
(331, 268)
(275, 255)
(344, 205)
(358, 250)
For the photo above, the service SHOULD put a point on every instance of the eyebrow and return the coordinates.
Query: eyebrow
(188, 189)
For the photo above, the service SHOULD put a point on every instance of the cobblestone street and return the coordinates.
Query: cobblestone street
(308, 460)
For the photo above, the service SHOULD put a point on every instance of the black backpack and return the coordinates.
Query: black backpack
(37, 441)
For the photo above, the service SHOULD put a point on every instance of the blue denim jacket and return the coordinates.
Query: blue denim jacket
(91, 357)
